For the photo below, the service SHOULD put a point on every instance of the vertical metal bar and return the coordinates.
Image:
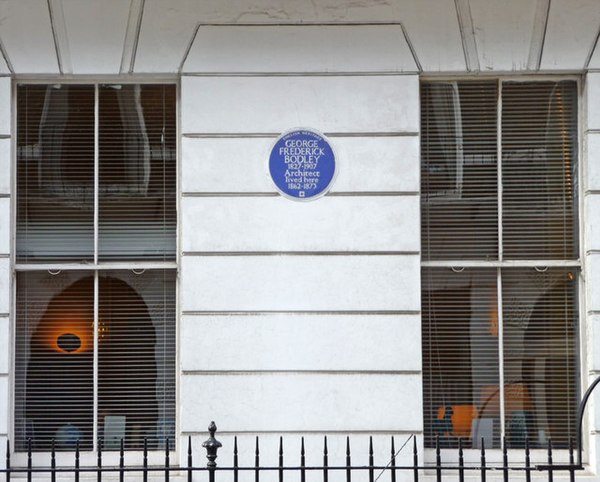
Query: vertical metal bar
(99, 471)
(499, 303)
(77, 461)
(53, 463)
(256, 462)
(168, 461)
(415, 460)
(371, 461)
(438, 460)
(29, 462)
(393, 461)
(145, 461)
(550, 471)
(122, 461)
(571, 461)
(96, 282)
(325, 460)
(7, 460)
(189, 458)
(527, 461)
(483, 469)
(302, 462)
(280, 459)
(235, 461)
(348, 461)
(461, 461)
(504, 460)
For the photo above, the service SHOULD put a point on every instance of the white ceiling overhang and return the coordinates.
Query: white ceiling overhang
(95, 37)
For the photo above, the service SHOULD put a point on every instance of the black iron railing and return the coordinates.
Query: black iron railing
(348, 471)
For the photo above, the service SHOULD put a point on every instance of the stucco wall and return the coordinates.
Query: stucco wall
(300, 317)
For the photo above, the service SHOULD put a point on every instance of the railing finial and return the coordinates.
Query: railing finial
(212, 445)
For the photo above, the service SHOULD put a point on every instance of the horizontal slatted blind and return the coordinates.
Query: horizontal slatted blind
(54, 358)
(54, 378)
(539, 161)
(460, 352)
(459, 170)
(121, 153)
(137, 356)
(137, 172)
(55, 173)
(535, 129)
(540, 355)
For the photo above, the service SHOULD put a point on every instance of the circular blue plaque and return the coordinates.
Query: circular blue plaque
(302, 164)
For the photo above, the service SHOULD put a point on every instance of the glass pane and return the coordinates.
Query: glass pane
(54, 360)
(460, 357)
(55, 173)
(540, 356)
(539, 170)
(136, 358)
(459, 205)
(137, 172)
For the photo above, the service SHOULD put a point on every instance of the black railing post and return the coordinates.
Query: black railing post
(53, 463)
(280, 459)
(145, 461)
(212, 445)
(99, 471)
(438, 460)
(571, 461)
(393, 461)
(504, 459)
(550, 469)
(371, 461)
(348, 461)
(415, 461)
(77, 461)
(7, 461)
(167, 460)
(325, 460)
(29, 461)
(256, 462)
(483, 468)
(302, 462)
(461, 461)
(122, 461)
(235, 461)
(527, 461)
(189, 459)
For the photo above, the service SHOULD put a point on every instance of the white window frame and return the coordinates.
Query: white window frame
(89, 458)
(537, 455)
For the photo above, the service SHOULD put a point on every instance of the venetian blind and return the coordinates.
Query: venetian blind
(459, 184)
(499, 330)
(539, 163)
(55, 173)
(137, 140)
(54, 382)
(541, 356)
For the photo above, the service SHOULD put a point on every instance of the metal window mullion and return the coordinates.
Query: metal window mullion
(500, 350)
(96, 278)
(500, 259)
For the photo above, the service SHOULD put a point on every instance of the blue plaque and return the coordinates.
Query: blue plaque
(302, 164)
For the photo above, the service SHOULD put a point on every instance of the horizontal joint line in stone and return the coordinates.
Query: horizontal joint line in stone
(340, 73)
(299, 312)
(300, 372)
(5, 136)
(4, 195)
(243, 135)
(276, 194)
(300, 253)
(591, 191)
